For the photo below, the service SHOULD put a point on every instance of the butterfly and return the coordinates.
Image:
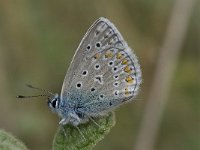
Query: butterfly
(103, 75)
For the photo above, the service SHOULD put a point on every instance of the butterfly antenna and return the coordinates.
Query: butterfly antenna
(32, 87)
(22, 96)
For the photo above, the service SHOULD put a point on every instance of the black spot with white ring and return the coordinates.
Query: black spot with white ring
(116, 84)
(101, 96)
(116, 93)
(79, 85)
(116, 77)
(85, 73)
(115, 69)
(97, 66)
(98, 45)
(93, 89)
(110, 63)
(88, 47)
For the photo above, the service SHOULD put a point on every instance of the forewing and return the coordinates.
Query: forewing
(104, 72)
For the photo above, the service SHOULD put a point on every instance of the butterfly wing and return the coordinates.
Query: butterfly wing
(104, 72)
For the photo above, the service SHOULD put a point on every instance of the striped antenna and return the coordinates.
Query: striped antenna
(22, 96)
(41, 95)
(32, 87)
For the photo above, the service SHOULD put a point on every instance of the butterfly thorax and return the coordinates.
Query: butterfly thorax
(67, 111)
(70, 114)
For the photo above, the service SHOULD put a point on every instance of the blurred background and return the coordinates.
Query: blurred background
(37, 42)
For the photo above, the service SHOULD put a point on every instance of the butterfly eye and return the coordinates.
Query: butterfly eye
(54, 103)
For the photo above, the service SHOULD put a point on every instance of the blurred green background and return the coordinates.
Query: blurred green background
(37, 42)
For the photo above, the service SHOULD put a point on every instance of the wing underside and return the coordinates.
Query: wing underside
(104, 72)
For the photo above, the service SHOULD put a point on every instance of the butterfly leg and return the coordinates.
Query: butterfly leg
(94, 121)
(64, 131)
(64, 121)
(80, 132)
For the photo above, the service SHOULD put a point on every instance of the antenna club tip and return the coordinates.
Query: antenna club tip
(19, 96)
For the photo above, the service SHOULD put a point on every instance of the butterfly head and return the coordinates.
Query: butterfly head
(53, 99)
(53, 102)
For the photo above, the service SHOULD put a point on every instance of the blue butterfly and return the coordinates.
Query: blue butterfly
(103, 75)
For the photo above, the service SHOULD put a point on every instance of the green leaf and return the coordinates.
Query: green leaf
(9, 142)
(73, 140)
